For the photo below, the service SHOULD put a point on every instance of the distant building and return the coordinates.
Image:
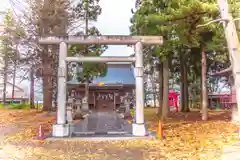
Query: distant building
(20, 95)
(224, 98)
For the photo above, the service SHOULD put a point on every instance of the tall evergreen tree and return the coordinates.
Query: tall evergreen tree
(177, 22)
(89, 11)
(55, 18)
(12, 33)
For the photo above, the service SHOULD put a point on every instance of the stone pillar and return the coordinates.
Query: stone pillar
(70, 110)
(61, 129)
(139, 128)
(114, 101)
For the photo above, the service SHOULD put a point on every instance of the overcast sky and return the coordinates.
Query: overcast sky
(114, 20)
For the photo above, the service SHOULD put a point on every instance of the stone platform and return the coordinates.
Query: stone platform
(102, 126)
(102, 123)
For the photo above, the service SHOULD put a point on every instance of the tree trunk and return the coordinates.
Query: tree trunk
(185, 89)
(160, 90)
(55, 51)
(5, 83)
(182, 95)
(32, 89)
(201, 95)
(204, 87)
(14, 79)
(154, 100)
(5, 78)
(87, 89)
(165, 106)
(86, 6)
(47, 83)
(46, 71)
(47, 94)
(153, 90)
(184, 101)
(55, 90)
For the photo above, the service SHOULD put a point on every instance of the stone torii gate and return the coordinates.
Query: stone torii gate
(61, 128)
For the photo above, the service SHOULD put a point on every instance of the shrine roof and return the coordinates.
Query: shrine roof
(117, 75)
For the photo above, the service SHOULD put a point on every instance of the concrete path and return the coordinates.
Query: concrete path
(103, 122)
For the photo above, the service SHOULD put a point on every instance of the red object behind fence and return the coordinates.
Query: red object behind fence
(173, 99)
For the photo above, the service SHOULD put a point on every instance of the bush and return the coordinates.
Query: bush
(19, 106)
(1, 106)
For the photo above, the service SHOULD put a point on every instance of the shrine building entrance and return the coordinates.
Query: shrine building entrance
(105, 102)
(61, 128)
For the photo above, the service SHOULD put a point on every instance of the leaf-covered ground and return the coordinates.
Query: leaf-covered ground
(187, 137)
(11, 116)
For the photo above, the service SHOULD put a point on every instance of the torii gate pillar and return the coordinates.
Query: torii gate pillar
(138, 128)
(61, 128)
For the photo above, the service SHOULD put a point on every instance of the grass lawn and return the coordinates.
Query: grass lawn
(187, 137)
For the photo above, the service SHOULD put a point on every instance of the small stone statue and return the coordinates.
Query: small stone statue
(74, 71)
(78, 112)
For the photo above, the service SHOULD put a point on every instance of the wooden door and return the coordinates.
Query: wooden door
(105, 102)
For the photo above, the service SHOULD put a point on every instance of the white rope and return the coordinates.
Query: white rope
(218, 20)
(213, 21)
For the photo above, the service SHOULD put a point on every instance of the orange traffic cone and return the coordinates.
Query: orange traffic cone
(160, 131)
(40, 135)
